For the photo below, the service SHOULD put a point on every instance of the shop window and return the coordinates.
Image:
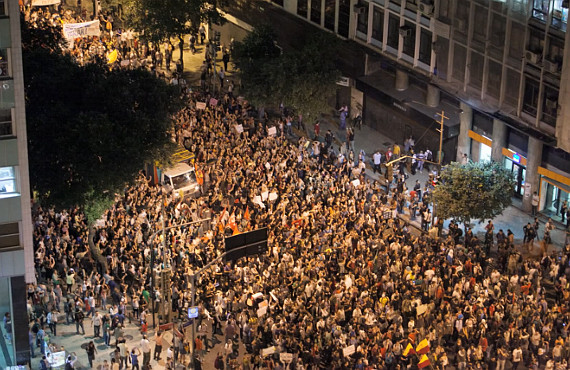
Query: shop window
(5, 122)
(540, 10)
(302, 7)
(530, 102)
(550, 106)
(409, 38)
(329, 14)
(362, 23)
(4, 67)
(425, 46)
(393, 31)
(316, 11)
(559, 15)
(378, 24)
(343, 17)
(7, 182)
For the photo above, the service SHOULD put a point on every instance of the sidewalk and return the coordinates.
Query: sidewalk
(512, 218)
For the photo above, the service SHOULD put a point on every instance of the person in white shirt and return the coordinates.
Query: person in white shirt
(145, 348)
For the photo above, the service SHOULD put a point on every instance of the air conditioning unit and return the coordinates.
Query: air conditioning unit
(360, 8)
(532, 57)
(460, 24)
(426, 9)
(551, 104)
(405, 31)
(550, 66)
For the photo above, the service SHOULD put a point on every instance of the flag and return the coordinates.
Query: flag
(409, 350)
(424, 361)
(112, 57)
(221, 225)
(233, 224)
(423, 347)
(412, 337)
(246, 215)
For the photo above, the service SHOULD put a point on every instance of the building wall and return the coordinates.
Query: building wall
(16, 248)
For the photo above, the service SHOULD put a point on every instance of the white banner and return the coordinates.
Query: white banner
(45, 2)
(75, 30)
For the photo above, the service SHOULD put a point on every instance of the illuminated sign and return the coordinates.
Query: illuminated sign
(516, 158)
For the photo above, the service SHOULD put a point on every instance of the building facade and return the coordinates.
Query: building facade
(497, 68)
(16, 248)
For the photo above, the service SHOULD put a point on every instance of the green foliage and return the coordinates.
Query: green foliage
(158, 20)
(302, 79)
(91, 129)
(473, 191)
(258, 59)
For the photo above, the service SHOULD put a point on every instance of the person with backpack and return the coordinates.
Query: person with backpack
(79, 317)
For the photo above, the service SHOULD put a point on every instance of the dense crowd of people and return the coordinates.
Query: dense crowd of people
(342, 269)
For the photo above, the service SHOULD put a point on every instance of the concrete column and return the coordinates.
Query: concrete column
(465, 123)
(533, 160)
(432, 96)
(499, 140)
(475, 151)
(402, 81)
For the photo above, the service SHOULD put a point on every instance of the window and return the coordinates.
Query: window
(459, 62)
(512, 87)
(393, 31)
(550, 106)
(362, 24)
(445, 9)
(6, 94)
(480, 22)
(540, 9)
(3, 8)
(377, 24)
(559, 15)
(536, 40)
(412, 5)
(5, 40)
(302, 7)
(498, 28)
(530, 102)
(461, 21)
(516, 43)
(425, 46)
(316, 11)
(555, 51)
(343, 17)
(409, 39)
(494, 79)
(278, 2)
(476, 70)
(4, 72)
(7, 181)
(329, 14)
(5, 122)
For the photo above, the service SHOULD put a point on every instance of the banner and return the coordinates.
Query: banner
(45, 2)
(75, 30)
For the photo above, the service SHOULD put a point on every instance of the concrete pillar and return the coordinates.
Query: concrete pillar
(533, 160)
(465, 123)
(475, 151)
(402, 81)
(432, 96)
(499, 140)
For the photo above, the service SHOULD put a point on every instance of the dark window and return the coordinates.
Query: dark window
(3, 10)
(516, 43)
(425, 46)
(278, 2)
(377, 24)
(494, 79)
(393, 31)
(5, 122)
(4, 63)
(362, 25)
(445, 9)
(476, 70)
(530, 102)
(302, 6)
(412, 5)
(316, 11)
(550, 106)
(483, 123)
(409, 38)
(555, 50)
(536, 40)
(329, 14)
(498, 28)
(480, 22)
(519, 141)
(343, 17)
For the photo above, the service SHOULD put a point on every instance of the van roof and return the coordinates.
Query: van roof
(178, 169)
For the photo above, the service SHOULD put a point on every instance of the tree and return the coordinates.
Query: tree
(473, 191)
(90, 129)
(258, 59)
(302, 79)
(159, 20)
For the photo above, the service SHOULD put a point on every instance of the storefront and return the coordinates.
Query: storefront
(481, 149)
(516, 163)
(554, 190)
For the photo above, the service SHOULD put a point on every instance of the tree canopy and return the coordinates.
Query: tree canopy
(302, 79)
(473, 191)
(91, 129)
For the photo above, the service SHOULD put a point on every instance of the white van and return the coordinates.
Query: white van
(181, 180)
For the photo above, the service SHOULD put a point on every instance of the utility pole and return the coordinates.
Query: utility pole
(439, 155)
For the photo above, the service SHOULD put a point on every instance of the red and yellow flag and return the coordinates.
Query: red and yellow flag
(246, 215)
(423, 347)
(409, 350)
(424, 361)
